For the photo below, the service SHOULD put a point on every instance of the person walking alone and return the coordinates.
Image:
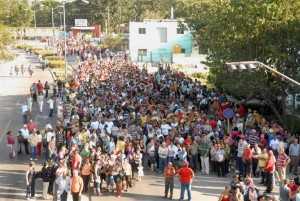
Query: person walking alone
(186, 175)
(169, 173)
(40, 100)
(51, 105)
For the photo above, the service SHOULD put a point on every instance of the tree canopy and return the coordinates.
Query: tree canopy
(246, 30)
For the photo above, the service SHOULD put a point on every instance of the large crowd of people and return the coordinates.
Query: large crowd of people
(114, 119)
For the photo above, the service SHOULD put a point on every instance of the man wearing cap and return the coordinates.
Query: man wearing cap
(169, 173)
(186, 175)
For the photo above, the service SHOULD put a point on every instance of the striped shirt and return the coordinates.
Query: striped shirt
(253, 139)
(241, 148)
(281, 160)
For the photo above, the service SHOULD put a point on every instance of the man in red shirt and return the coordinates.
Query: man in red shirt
(247, 159)
(187, 142)
(186, 175)
(40, 87)
(269, 171)
(262, 143)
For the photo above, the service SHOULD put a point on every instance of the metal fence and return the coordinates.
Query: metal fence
(152, 57)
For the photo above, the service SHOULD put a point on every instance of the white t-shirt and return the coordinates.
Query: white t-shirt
(25, 133)
(165, 129)
(48, 136)
(274, 144)
(174, 125)
(59, 111)
(95, 125)
(51, 103)
(172, 151)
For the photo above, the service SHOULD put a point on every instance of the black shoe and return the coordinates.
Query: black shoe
(265, 185)
(165, 196)
(262, 182)
(171, 197)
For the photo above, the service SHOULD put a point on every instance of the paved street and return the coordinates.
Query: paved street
(12, 172)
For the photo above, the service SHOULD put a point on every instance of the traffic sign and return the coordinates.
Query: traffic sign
(228, 113)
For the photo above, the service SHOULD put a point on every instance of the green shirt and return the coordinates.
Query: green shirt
(204, 148)
(84, 154)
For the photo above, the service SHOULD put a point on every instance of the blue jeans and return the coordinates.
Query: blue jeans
(171, 159)
(162, 163)
(64, 196)
(33, 152)
(24, 118)
(187, 186)
(241, 166)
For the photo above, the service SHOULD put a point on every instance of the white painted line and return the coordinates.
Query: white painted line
(18, 102)
(5, 130)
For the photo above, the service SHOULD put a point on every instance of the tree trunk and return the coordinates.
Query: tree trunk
(293, 110)
(280, 117)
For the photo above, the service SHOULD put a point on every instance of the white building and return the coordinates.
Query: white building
(158, 40)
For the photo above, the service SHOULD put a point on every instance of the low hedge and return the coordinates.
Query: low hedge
(23, 46)
(51, 58)
(57, 63)
(44, 53)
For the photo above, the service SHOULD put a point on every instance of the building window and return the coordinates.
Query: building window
(142, 30)
(162, 34)
(142, 52)
(180, 31)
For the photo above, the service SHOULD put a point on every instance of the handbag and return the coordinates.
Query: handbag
(252, 194)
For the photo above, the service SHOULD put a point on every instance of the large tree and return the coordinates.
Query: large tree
(241, 30)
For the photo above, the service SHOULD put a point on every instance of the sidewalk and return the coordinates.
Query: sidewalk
(20, 85)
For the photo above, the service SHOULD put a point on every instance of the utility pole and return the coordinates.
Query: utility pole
(108, 19)
(53, 24)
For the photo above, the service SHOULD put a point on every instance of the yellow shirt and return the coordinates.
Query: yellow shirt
(262, 163)
(143, 120)
(84, 138)
(121, 145)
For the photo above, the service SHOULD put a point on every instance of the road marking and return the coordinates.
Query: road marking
(18, 102)
(5, 130)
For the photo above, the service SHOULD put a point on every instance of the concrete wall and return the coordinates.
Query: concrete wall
(42, 32)
(157, 51)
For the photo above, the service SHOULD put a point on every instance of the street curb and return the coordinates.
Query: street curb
(52, 74)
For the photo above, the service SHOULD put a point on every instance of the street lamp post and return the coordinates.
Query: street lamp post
(52, 9)
(243, 66)
(65, 37)
(65, 41)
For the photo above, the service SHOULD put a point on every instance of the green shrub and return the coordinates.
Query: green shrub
(200, 75)
(57, 64)
(23, 46)
(44, 53)
(50, 58)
